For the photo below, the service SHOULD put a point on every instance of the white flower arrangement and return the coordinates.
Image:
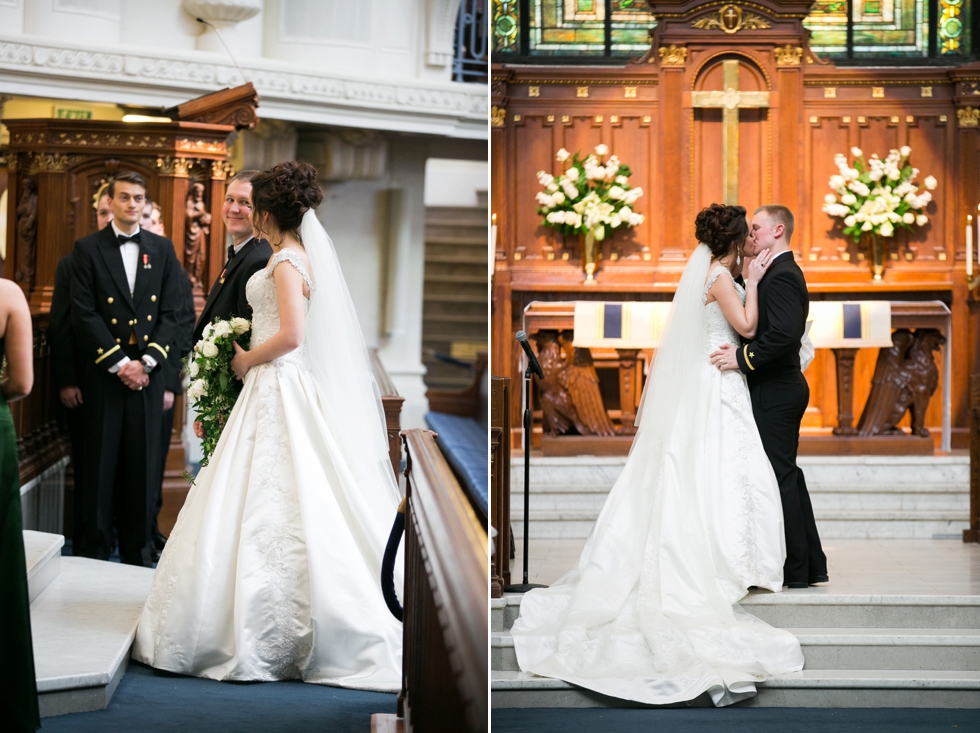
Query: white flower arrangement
(591, 195)
(878, 196)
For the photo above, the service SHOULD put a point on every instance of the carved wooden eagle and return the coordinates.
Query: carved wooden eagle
(905, 379)
(569, 392)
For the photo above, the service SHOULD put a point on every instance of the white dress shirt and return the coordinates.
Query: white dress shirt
(130, 253)
(238, 247)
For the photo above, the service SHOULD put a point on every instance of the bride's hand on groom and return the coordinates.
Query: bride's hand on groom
(724, 358)
(239, 362)
(757, 267)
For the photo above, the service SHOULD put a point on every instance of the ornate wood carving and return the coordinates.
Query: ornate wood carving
(196, 231)
(905, 379)
(500, 483)
(234, 107)
(569, 392)
(26, 230)
(845, 391)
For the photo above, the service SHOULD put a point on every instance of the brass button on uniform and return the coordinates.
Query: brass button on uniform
(149, 318)
(146, 338)
(113, 321)
(118, 341)
(153, 299)
(109, 300)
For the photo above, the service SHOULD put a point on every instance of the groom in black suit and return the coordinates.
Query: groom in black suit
(124, 301)
(771, 362)
(246, 256)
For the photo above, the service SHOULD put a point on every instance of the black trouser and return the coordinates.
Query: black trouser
(778, 406)
(121, 464)
(76, 434)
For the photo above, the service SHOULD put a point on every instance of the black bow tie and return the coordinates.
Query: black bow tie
(122, 238)
(231, 251)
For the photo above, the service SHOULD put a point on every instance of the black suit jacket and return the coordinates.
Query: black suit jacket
(65, 360)
(227, 296)
(774, 353)
(185, 331)
(104, 313)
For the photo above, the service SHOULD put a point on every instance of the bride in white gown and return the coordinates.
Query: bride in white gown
(273, 569)
(650, 612)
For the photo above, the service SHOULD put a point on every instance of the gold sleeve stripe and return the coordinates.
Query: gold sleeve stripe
(745, 353)
(113, 349)
(159, 348)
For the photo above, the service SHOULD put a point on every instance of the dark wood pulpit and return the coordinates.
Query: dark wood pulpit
(56, 171)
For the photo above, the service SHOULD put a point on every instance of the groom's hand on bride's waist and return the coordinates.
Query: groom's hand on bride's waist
(725, 358)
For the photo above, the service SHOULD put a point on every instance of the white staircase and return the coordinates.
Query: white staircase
(860, 651)
(83, 620)
(853, 497)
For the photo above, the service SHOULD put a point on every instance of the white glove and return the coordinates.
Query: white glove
(806, 348)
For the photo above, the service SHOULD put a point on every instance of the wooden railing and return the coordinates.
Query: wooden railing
(445, 664)
(973, 533)
(500, 483)
(392, 403)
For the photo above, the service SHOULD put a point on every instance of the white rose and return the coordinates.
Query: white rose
(615, 221)
(208, 330)
(616, 193)
(908, 217)
(209, 349)
(558, 198)
(574, 220)
(622, 180)
(222, 329)
(921, 219)
(636, 220)
(240, 325)
(836, 181)
(849, 199)
(197, 390)
(545, 178)
(570, 191)
(830, 198)
(850, 221)
(556, 217)
(894, 174)
(905, 150)
(866, 227)
(875, 174)
(544, 199)
(925, 197)
(601, 149)
(887, 229)
(193, 368)
(563, 155)
(856, 152)
(199, 346)
(930, 183)
(572, 174)
(625, 213)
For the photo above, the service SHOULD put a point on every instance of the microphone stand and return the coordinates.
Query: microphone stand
(525, 586)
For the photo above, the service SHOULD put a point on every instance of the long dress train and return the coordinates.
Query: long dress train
(273, 568)
(649, 613)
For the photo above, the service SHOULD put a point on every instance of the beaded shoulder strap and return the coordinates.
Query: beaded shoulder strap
(287, 255)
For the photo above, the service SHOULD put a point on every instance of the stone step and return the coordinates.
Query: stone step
(847, 688)
(42, 551)
(814, 608)
(881, 649)
(578, 523)
(83, 627)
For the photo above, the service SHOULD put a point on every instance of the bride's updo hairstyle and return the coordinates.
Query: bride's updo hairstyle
(286, 191)
(721, 228)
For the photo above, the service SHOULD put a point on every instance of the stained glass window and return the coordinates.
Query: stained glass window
(566, 31)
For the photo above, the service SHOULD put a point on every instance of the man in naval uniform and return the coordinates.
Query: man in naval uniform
(125, 297)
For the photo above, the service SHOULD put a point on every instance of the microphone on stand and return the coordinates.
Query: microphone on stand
(533, 367)
(531, 358)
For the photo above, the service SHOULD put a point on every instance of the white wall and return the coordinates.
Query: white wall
(455, 182)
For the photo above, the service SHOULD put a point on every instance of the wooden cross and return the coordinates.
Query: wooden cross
(730, 100)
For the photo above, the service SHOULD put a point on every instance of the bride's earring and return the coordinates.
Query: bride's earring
(738, 258)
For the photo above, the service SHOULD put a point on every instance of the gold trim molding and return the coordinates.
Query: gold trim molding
(497, 116)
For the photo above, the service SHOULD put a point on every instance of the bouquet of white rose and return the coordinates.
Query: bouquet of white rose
(590, 197)
(878, 196)
(214, 388)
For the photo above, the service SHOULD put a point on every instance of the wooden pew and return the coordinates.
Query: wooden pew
(973, 533)
(392, 403)
(500, 483)
(465, 402)
(445, 665)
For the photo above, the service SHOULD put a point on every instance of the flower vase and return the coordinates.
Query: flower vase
(878, 249)
(590, 256)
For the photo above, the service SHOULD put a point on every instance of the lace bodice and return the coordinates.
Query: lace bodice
(720, 330)
(261, 293)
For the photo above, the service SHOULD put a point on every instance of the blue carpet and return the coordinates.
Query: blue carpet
(737, 720)
(151, 701)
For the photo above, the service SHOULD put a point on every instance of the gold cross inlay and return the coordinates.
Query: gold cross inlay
(730, 100)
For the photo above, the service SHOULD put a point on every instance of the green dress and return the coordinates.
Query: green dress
(18, 686)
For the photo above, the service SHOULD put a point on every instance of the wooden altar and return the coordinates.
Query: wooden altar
(56, 170)
(654, 113)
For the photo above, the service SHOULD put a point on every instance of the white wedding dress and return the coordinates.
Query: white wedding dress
(273, 569)
(650, 611)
